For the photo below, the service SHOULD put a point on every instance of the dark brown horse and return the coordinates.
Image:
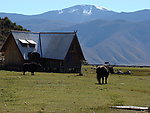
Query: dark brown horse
(103, 73)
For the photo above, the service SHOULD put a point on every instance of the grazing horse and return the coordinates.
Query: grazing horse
(30, 67)
(103, 72)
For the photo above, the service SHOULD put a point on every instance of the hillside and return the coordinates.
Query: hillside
(6, 26)
(119, 41)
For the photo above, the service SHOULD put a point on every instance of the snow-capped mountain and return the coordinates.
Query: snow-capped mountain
(78, 13)
(56, 19)
(86, 10)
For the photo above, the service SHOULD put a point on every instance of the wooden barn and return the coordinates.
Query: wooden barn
(58, 51)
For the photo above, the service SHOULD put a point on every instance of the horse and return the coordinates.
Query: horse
(103, 73)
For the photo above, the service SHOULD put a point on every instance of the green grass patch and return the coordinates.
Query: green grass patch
(69, 93)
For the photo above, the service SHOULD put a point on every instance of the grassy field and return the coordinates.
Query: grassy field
(69, 93)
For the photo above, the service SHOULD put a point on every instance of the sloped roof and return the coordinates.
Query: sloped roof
(55, 46)
(48, 45)
(24, 36)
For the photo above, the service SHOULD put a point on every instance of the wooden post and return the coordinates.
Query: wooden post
(40, 43)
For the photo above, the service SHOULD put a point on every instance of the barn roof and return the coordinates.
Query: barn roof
(51, 45)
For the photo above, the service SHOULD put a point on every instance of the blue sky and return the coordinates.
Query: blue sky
(30, 7)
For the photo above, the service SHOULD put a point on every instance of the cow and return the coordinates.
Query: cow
(103, 73)
(30, 67)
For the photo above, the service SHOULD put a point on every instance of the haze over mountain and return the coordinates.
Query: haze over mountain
(73, 15)
(105, 35)
(59, 18)
(117, 41)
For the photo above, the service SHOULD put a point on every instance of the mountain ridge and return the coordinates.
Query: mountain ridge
(73, 18)
(119, 42)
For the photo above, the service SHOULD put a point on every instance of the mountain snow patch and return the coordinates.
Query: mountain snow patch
(88, 12)
(101, 8)
(74, 10)
(60, 12)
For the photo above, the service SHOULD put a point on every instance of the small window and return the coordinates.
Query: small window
(31, 43)
(24, 43)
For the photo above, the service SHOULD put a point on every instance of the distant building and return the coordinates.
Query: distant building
(58, 51)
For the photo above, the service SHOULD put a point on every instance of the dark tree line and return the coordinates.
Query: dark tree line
(6, 25)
